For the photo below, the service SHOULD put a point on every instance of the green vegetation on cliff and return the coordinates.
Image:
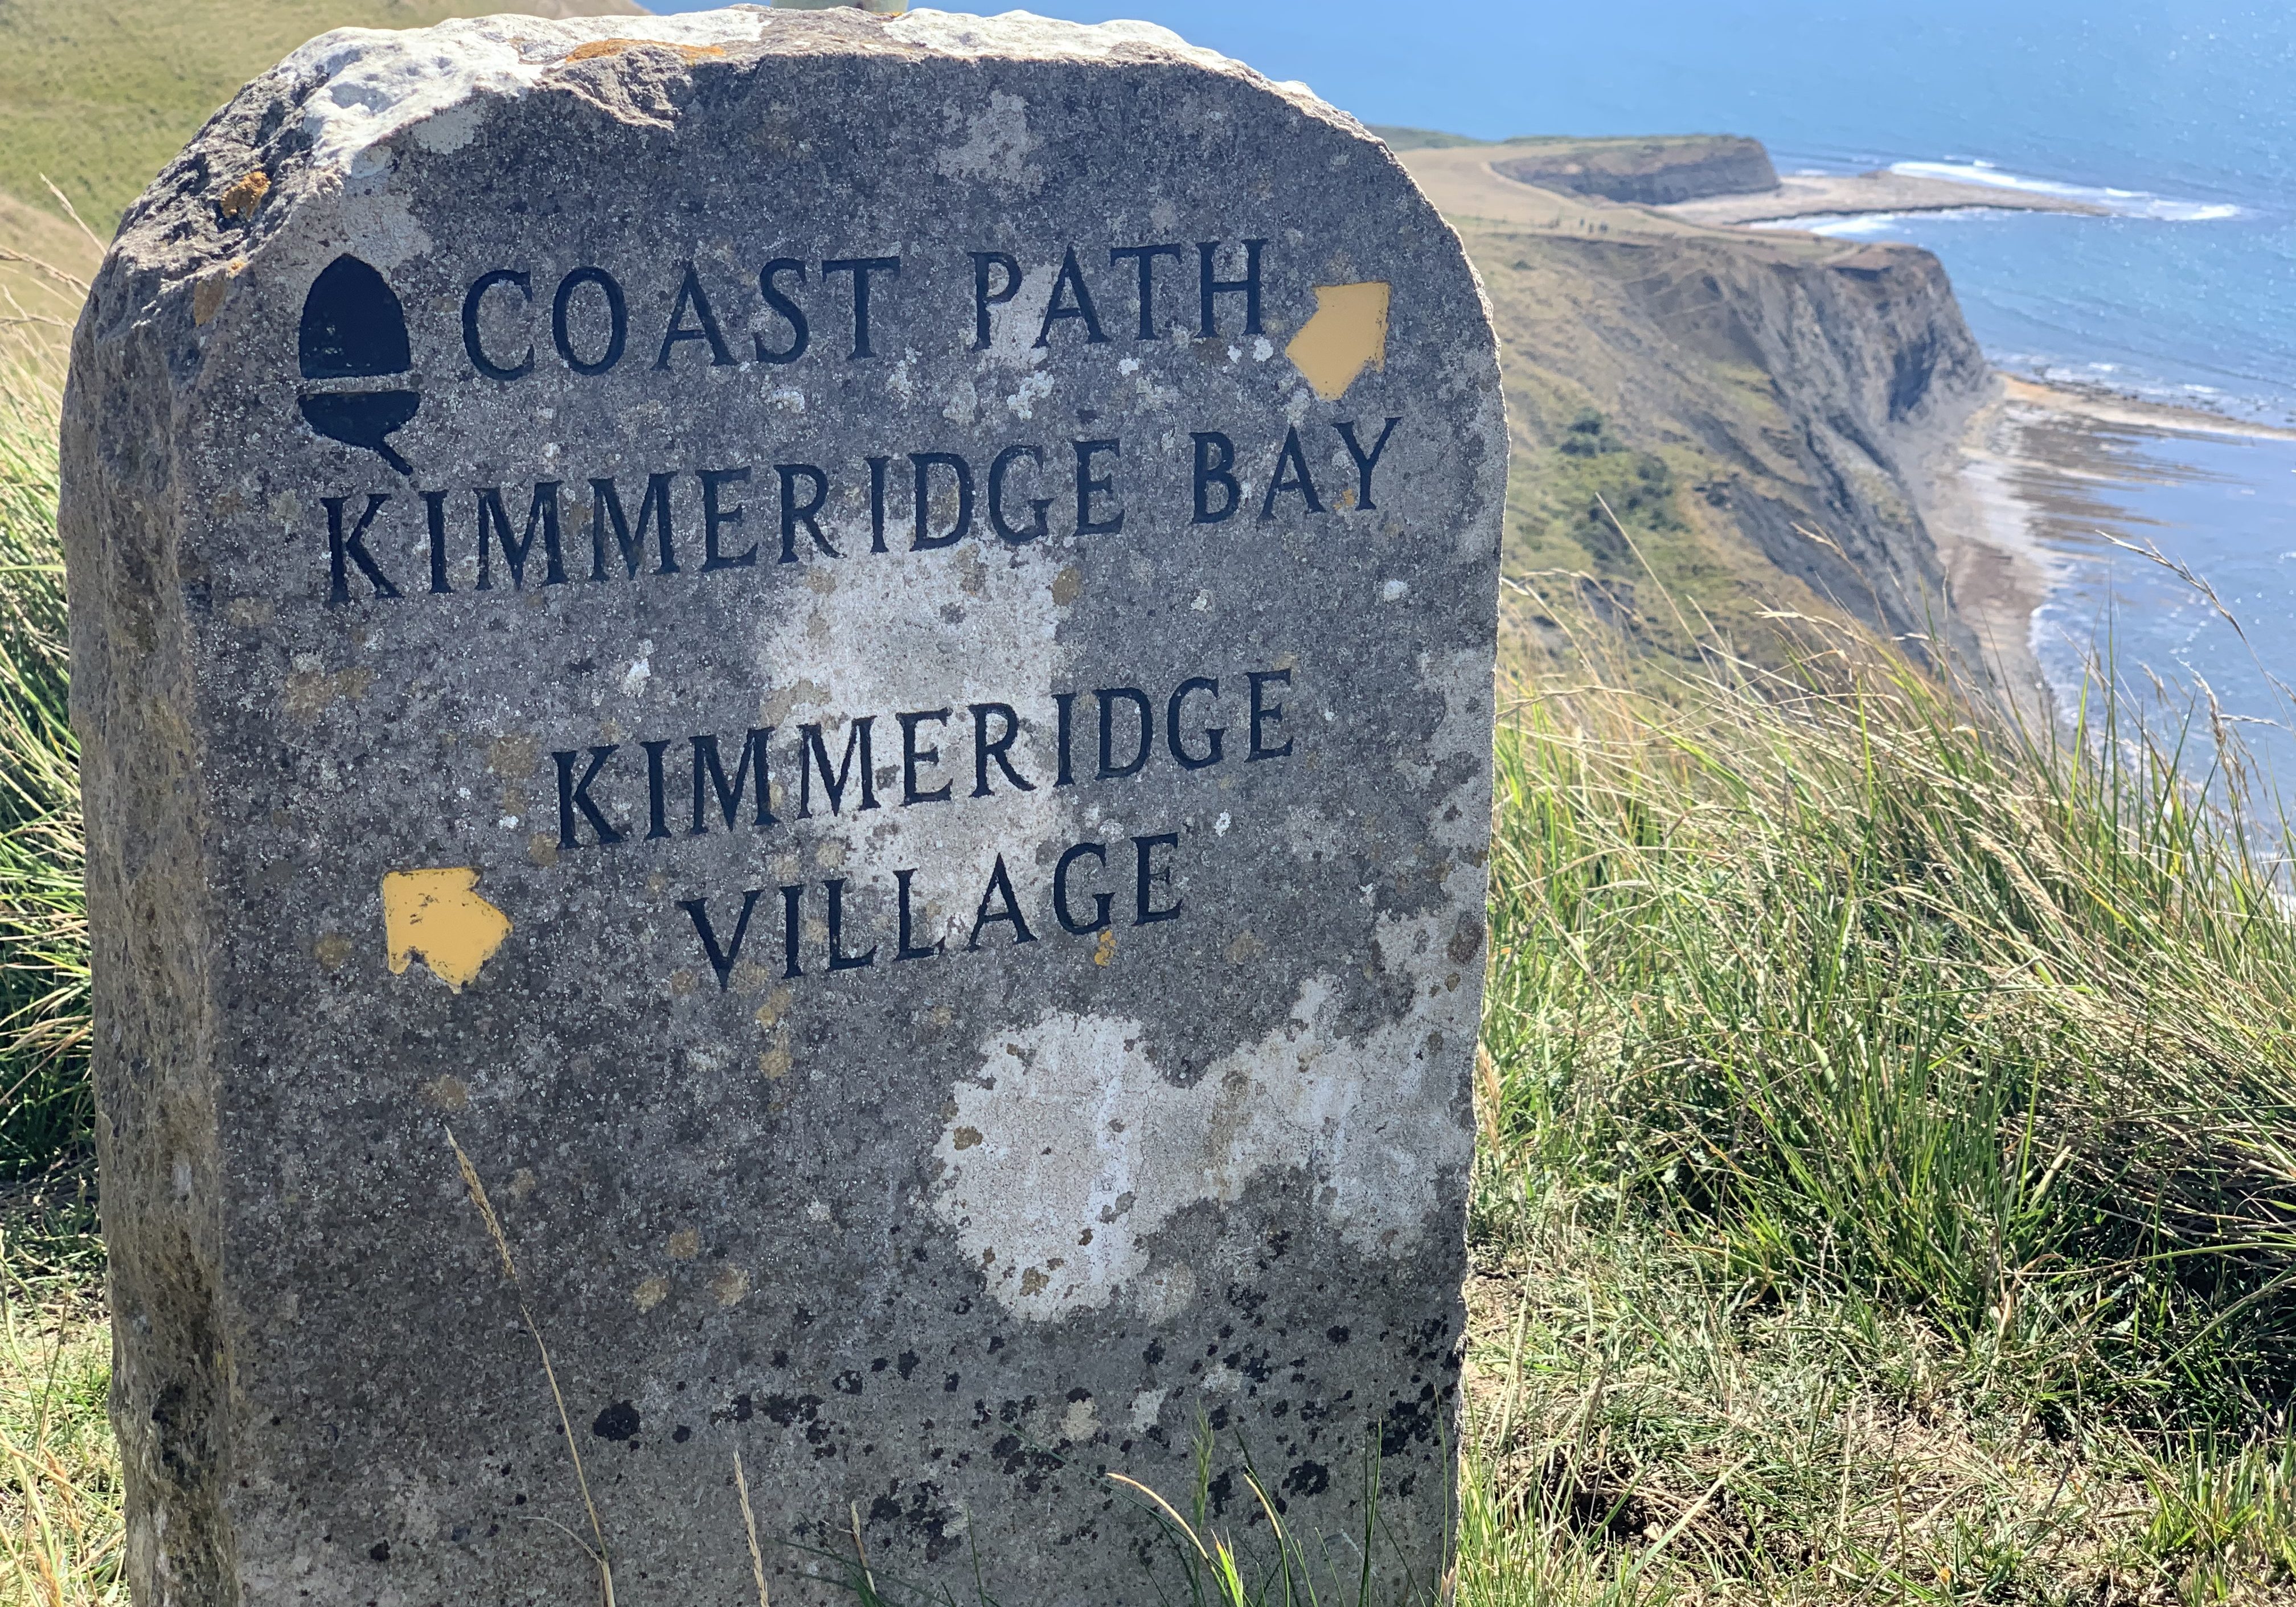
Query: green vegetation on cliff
(1653, 172)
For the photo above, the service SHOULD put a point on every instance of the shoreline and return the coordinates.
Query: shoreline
(1998, 574)
(2105, 405)
(1834, 196)
(2041, 458)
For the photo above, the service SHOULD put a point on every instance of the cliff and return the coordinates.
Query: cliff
(1654, 171)
(1646, 172)
(1761, 411)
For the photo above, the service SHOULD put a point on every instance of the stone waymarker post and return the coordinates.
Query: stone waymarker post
(795, 706)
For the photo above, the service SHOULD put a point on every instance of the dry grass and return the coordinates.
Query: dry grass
(59, 1482)
(44, 1110)
(1642, 1428)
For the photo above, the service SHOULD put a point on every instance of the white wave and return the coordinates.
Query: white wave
(1864, 226)
(2126, 203)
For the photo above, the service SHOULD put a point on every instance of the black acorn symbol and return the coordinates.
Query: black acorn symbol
(354, 329)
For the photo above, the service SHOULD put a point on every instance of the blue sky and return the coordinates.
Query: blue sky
(1489, 71)
(2168, 87)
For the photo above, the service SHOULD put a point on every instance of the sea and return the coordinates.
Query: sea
(2174, 116)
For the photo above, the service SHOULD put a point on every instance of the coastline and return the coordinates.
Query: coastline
(2016, 490)
(1835, 195)
(2103, 404)
(2024, 507)
(1998, 574)
(2039, 464)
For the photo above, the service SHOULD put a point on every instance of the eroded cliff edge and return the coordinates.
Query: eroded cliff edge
(1766, 415)
(1653, 172)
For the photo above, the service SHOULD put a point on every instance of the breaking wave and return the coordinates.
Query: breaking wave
(2125, 203)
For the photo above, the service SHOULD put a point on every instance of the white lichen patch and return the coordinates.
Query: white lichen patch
(997, 147)
(1071, 1150)
(1014, 324)
(884, 639)
(1025, 37)
(379, 81)
(381, 229)
(1147, 1405)
(375, 83)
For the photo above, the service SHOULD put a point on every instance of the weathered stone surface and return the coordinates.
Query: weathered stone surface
(416, 738)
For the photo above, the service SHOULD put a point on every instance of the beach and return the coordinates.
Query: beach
(2025, 507)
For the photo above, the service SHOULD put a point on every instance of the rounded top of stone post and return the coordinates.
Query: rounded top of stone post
(335, 107)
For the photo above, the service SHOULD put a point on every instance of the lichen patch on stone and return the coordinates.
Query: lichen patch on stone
(1070, 1127)
(614, 47)
(239, 202)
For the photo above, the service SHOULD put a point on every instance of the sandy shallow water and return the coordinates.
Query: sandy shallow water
(2028, 508)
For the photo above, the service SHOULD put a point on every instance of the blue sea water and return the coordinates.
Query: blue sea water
(2177, 114)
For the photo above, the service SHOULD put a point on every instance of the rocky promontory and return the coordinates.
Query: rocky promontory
(1648, 172)
(1756, 422)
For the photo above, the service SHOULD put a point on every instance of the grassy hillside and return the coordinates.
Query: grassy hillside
(1400, 138)
(96, 94)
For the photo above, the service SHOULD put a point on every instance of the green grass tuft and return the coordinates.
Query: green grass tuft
(1882, 993)
(45, 1114)
(1889, 1176)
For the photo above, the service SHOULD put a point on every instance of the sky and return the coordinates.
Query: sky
(2176, 88)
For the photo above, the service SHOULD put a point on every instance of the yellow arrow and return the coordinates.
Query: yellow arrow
(1349, 330)
(433, 915)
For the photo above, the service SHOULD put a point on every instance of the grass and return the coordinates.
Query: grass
(1890, 1148)
(1888, 1191)
(42, 924)
(1994, 1025)
(59, 1481)
(97, 95)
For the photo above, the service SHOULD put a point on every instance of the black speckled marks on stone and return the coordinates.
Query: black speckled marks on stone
(618, 1421)
(765, 1211)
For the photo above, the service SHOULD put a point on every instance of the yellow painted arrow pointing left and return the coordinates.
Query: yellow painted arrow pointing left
(435, 916)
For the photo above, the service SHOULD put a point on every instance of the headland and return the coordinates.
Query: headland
(1815, 195)
(1873, 422)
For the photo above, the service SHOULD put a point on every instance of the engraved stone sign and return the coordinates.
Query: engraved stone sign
(787, 759)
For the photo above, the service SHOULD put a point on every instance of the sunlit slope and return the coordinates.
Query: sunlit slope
(1749, 420)
(96, 96)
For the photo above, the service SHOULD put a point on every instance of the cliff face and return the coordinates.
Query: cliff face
(1820, 389)
(1757, 410)
(1652, 172)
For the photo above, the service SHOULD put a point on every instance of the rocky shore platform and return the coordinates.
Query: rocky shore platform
(1807, 196)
